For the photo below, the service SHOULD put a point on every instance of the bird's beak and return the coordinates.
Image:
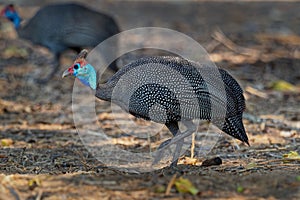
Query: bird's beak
(66, 73)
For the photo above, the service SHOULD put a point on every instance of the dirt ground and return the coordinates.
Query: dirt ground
(43, 157)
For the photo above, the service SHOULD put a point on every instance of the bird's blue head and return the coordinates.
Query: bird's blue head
(82, 70)
(10, 13)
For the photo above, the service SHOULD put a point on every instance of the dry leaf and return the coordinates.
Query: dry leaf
(33, 183)
(6, 142)
(240, 189)
(287, 133)
(283, 86)
(190, 161)
(160, 189)
(185, 186)
(292, 155)
(251, 165)
(14, 51)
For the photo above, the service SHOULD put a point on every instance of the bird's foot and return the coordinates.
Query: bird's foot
(160, 151)
(173, 169)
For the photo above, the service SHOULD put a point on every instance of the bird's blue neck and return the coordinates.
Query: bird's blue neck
(89, 78)
(14, 17)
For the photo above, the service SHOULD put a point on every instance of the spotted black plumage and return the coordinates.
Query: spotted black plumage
(179, 102)
(172, 89)
(155, 102)
(63, 26)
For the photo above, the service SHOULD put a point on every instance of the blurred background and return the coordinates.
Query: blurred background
(258, 42)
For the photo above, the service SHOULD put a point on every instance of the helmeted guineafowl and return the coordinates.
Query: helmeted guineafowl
(178, 104)
(59, 27)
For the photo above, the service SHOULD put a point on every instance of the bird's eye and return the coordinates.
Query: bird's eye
(76, 66)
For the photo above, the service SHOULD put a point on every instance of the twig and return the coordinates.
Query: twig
(39, 195)
(212, 45)
(171, 183)
(220, 36)
(256, 92)
(193, 145)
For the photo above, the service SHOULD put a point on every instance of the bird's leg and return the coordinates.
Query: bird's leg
(178, 140)
(177, 151)
(191, 127)
(174, 128)
(161, 150)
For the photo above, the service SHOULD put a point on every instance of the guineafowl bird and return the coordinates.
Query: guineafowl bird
(177, 104)
(59, 27)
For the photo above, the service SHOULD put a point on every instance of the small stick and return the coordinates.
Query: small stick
(256, 92)
(220, 36)
(171, 183)
(193, 145)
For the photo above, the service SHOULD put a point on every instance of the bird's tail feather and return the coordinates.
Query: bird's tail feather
(234, 127)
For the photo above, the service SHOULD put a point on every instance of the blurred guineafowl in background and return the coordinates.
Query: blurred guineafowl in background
(59, 27)
(176, 100)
